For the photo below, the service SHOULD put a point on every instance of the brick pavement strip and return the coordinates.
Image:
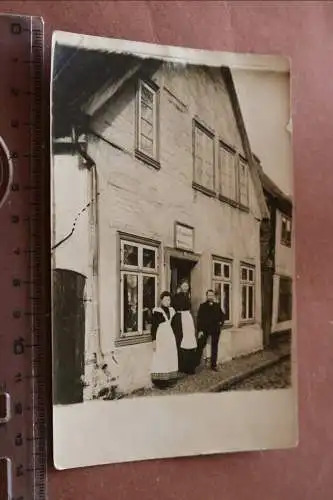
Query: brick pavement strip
(229, 373)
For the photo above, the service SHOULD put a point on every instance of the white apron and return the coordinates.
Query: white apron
(189, 340)
(165, 358)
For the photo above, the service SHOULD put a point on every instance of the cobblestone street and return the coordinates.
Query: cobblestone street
(267, 369)
(275, 377)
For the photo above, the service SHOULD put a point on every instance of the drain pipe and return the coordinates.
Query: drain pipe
(90, 164)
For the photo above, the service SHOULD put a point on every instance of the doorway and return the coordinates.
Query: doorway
(68, 335)
(180, 269)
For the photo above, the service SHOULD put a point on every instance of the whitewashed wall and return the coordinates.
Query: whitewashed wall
(71, 193)
(140, 200)
(70, 196)
(284, 266)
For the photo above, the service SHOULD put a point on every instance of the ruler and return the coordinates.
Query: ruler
(22, 285)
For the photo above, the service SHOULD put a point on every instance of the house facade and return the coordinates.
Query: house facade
(160, 186)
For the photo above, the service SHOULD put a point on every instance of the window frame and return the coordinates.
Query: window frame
(140, 335)
(223, 280)
(197, 124)
(286, 241)
(248, 284)
(232, 151)
(154, 159)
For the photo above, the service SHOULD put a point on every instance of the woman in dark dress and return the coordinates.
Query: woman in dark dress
(184, 330)
(164, 368)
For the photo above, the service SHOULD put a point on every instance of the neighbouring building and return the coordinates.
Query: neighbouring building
(277, 263)
(153, 180)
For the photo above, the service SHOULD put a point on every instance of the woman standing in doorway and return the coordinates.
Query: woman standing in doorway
(184, 329)
(164, 369)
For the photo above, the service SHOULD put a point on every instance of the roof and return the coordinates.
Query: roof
(79, 73)
(252, 161)
(271, 188)
(272, 191)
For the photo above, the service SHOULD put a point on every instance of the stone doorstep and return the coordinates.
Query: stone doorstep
(233, 379)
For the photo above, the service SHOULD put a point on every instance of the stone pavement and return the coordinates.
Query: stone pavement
(229, 374)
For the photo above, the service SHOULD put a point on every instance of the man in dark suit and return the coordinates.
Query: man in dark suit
(209, 322)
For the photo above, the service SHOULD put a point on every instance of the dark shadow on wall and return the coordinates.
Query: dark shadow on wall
(68, 336)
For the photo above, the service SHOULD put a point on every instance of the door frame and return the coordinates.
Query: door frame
(177, 254)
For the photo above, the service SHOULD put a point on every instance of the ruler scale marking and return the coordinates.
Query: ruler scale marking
(21, 261)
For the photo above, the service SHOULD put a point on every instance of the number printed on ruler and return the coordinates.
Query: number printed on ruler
(22, 398)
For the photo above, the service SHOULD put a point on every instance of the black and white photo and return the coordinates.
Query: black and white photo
(172, 249)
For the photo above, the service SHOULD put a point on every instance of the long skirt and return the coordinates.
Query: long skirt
(188, 347)
(164, 368)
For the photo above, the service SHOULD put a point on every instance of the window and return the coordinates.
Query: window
(243, 183)
(138, 280)
(227, 172)
(247, 292)
(285, 299)
(147, 126)
(234, 176)
(286, 231)
(203, 157)
(222, 286)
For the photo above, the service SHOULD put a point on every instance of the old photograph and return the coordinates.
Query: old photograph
(172, 234)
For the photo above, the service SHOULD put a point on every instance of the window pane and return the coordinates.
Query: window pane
(226, 270)
(251, 275)
(148, 300)
(147, 145)
(147, 98)
(243, 184)
(217, 269)
(149, 258)
(147, 122)
(244, 274)
(227, 174)
(198, 171)
(147, 113)
(251, 303)
(283, 229)
(208, 175)
(130, 298)
(286, 231)
(244, 302)
(208, 165)
(147, 128)
(285, 300)
(203, 159)
(226, 301)
(130, 255)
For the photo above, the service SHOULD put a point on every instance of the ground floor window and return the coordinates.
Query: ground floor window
(285, 299)
(138, 286)
(222, 284)
(247, 282)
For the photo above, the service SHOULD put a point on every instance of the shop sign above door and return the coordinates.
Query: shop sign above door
(184, 237)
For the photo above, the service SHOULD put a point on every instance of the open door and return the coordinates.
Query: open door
(180, 269)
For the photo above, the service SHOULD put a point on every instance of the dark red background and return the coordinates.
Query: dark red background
(303, 31)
